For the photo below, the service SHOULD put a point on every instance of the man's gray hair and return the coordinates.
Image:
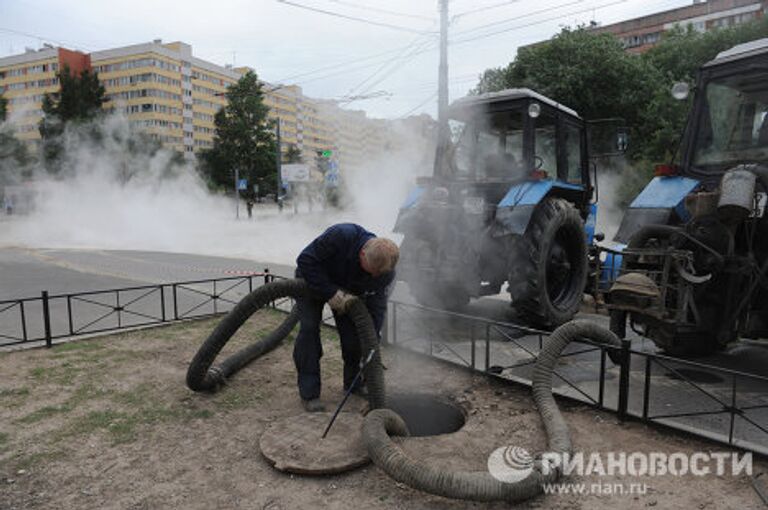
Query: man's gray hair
(381, 253)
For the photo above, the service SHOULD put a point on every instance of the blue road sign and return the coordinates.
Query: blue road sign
(242, 184)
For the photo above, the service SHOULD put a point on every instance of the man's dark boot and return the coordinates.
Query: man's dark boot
(313, 406)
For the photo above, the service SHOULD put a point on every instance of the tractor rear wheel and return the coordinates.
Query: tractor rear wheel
(548, 272)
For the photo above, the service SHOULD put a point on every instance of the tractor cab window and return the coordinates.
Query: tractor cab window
(573, 161)
(545, 155)
(460, 148)
(489, 147)
(500, 147)
(733, 122)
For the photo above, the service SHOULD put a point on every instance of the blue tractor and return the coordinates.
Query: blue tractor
(691, 272)
(511, 200)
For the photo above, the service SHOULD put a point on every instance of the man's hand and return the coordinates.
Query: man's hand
(340, 301)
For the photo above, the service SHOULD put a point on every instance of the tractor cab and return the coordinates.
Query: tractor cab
(729, 122)
(512, 136)
(694, 243)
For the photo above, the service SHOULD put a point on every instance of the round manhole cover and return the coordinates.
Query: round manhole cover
(295, 444)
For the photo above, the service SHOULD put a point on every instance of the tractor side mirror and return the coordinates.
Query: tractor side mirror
(607, 137)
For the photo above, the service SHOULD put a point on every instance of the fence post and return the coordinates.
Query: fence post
(175, 303)
(162, 303)
(624, 379)
(47, 320)
(267, 279)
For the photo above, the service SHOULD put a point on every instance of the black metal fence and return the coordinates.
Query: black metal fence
(724, 405)
(720, 404)
(55, 316)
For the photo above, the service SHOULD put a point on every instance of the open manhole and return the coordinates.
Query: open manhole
(694, 375)
(427, 415)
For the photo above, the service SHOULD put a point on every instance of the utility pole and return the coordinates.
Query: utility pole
(442, 90)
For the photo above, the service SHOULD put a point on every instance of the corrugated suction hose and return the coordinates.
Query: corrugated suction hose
(202, 375)
(380, 424)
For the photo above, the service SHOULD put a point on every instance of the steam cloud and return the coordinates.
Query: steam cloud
(114, 196)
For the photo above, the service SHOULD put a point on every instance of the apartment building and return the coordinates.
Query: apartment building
(165, 91)
(641, 34)
(25, 78)
(168, 93)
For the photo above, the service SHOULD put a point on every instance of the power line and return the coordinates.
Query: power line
(342, 64)
(402, 63)
(427, 100)
(403, 56)
(526, 15)
(347, 71)
(518, 27)
(353, 18)
(42, 38)
(382, 11)
(483, 9)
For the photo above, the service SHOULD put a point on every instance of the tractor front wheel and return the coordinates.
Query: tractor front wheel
(548, 270)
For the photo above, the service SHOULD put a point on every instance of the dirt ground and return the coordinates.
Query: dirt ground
(108, 423)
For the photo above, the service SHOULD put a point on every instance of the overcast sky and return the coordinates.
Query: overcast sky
(329, 56)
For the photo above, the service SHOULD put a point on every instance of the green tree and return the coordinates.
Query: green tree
(244, 139)
(293, 154)
(78, 102)
(79, 99)
(588, 72)
(678, 57)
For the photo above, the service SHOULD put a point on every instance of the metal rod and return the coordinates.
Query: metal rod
(349, 391)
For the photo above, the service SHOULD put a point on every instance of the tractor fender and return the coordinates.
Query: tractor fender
(662, 198)
(514, 211)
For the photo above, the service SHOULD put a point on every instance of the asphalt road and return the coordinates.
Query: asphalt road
(25, 273)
